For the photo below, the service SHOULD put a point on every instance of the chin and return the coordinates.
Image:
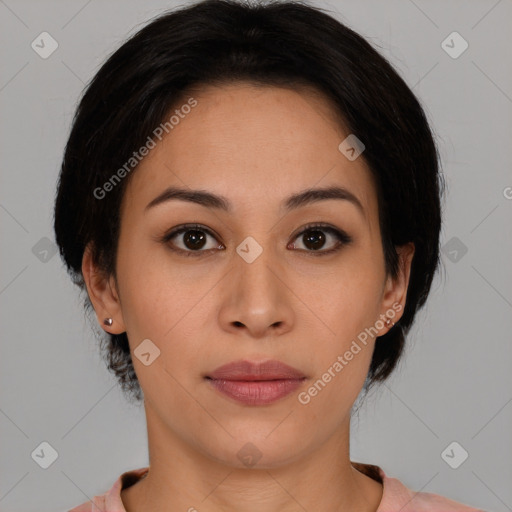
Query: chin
(258, 451)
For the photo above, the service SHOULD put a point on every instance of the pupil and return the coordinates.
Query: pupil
(316, 238)
(194, 239)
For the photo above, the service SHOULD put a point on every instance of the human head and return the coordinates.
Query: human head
(280, 44)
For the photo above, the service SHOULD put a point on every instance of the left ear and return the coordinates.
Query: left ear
(395, 289)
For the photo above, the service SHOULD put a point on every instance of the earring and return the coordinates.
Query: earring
(389, 323)
(108, 321)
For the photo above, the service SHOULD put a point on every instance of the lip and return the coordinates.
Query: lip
(256, 383)
(254, 370)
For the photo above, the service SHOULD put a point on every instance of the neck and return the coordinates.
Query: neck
(183, 478)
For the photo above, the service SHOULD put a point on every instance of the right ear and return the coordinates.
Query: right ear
(103, 294)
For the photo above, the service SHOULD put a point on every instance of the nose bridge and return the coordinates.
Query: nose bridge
(257, 299)
(255, 269)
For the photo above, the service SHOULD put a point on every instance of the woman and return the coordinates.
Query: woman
(250, 196)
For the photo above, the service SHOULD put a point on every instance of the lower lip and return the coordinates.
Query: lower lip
(256, 392)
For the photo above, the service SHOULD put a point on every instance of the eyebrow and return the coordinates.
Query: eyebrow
(297, 200)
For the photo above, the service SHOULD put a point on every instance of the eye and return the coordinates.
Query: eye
(192, 240)
(315, 236)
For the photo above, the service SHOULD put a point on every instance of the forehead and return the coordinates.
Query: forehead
(253, 144)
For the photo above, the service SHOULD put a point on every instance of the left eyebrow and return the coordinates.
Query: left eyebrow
(314, 195)
(297, 200)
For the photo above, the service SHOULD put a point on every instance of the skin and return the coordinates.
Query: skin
(255, 146)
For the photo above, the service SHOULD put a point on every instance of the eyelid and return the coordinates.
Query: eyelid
(321, 225)
(186, 227)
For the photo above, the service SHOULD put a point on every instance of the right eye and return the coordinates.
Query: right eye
(193, 239)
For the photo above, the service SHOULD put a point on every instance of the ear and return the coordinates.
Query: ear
(103, 294)
(395, 289)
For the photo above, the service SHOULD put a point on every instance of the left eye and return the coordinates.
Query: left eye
(314, 238)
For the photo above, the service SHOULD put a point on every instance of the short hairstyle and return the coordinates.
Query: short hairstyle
(285, 44)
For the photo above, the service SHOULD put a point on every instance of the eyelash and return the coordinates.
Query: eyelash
(343, 238)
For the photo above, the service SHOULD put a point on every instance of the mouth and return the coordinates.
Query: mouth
(256, 383)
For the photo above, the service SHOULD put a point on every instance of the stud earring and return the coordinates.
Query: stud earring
(108, 321)
(390, 323)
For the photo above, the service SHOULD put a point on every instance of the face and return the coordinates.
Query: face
(264, 278)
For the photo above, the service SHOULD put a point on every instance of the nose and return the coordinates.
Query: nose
(258, 301)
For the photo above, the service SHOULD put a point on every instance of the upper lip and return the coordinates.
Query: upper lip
(254, 370)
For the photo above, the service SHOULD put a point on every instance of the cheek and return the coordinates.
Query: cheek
(159, 311)
(342, 308)
(143, 297)
(343, 344)
(348, 296)
(166, 304)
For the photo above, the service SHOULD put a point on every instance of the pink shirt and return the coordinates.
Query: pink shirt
(395, 496)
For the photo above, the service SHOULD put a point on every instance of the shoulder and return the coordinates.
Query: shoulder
(97, 503)
(110, 501)
(397, 497)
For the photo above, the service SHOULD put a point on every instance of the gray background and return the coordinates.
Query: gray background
(455, 383)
